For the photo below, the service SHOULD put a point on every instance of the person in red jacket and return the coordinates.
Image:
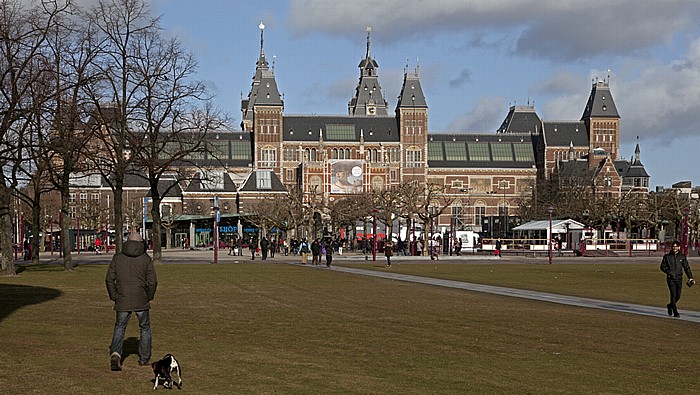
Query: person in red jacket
(673, 264)
(131, 283)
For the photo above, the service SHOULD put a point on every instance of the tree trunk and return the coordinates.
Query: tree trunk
(7, 261)
(36, 226)
(65, 230)
(155, 230)
(118, 211)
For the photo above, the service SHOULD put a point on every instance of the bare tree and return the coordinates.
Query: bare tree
(173, 120)
(118, 96)
(23, 65)
(431, 204)
(386, 202)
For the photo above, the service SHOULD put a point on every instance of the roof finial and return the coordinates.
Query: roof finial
(369, 30)
(262, 29)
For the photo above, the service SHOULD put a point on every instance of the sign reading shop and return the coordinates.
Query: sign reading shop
(222, 229)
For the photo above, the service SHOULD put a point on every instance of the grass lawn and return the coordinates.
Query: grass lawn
(630, 283)
(281, 329)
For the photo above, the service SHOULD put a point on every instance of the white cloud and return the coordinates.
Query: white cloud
(554, 29)
(484, 117)
(662, 100)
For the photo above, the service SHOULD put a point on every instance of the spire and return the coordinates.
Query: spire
(369, 30)
(263, 90)
(637, 152)
(262, 62)
(368, 99)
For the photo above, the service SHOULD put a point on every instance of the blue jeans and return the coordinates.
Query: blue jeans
(144, 337)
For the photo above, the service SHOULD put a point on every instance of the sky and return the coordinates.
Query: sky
(475, 59)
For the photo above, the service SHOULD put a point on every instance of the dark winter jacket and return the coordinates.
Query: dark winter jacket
(131, 278)
(316, 248)
(674, 265)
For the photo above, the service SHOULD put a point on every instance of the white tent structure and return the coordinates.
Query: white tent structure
(568, 230)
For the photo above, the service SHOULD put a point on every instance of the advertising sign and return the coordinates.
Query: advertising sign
(346, 176)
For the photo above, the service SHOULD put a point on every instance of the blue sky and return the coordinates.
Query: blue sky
(475, 58)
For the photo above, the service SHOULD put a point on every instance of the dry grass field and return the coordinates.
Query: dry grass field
(283, 329)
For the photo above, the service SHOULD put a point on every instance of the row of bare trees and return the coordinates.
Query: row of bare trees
(85, 90)
(408, 202)
(645, 213)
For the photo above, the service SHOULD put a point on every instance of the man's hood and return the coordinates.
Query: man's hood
(133, 248)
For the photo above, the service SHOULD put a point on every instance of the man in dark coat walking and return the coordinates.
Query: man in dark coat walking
(673, 264)
(264, 245)
(316, 252)
(131, 284)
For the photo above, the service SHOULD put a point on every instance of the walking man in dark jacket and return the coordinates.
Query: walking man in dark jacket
(316, 252)
(673, 264)
(131, 284)
(264, 245)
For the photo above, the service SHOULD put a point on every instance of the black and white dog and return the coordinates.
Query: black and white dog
(163, 370)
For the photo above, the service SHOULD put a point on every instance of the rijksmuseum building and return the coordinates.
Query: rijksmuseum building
(377, 145)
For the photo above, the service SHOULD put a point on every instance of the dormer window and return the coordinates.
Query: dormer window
(263, 179)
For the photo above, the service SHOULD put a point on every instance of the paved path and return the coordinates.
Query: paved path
(206, 257)
(630, 308)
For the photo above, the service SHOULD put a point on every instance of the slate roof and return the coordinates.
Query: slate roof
(411, 95)
(521, 119)
(306, 128)
(564, 133)
(600, 102)
(250, 184)
(574, 169)
(471, 150)
(199, 185)
(164, 184)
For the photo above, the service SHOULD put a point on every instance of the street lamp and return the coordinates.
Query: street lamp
(685, 228)
(504, 223)
(550, 210)
(374, 235)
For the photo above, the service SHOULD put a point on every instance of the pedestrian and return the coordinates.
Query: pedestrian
(673, 264)
(499, 245)
(304, 251)
(458, 247)
(329, 254)
(131, 283)
(557, 240)
(316, 252)
(389, 252)
(98, 246)
(239, 246)
(231, 246)
(264, 245)
(252, 247)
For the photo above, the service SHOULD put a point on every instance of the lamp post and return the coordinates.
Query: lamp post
(504, 221)
(374, 235)
(217, 218)
(685, 228)
(550, 210)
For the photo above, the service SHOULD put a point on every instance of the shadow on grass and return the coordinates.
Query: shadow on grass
(14, 297)
(131, 347)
